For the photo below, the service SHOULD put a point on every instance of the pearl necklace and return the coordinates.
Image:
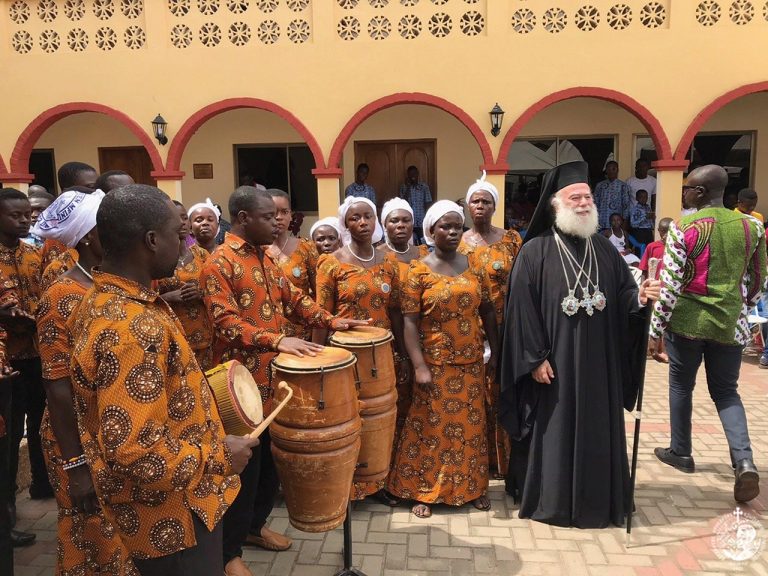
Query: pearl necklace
(590, 302)
(392, 247)
(373, 255)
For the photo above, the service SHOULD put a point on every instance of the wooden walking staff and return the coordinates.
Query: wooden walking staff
(653, 264)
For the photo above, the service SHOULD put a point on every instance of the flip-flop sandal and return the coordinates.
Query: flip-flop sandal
(426, 511)
(484, 506)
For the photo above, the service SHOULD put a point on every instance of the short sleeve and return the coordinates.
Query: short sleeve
(411, 293)
(396, 294)
(485, 285)
(327, 270)
(56, 306)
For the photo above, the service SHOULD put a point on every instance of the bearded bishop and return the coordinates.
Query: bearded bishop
(574, 313)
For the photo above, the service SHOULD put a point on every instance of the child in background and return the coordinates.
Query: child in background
(656, 250)
(641, 217)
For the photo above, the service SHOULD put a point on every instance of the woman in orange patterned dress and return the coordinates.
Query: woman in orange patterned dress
(204, 224)
(494, 250)
(326, 235)
(358, 281)
(86, 541)
(442, 455)
(183, 293)
(297, 257)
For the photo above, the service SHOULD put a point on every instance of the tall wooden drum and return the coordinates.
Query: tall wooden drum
(378, 398)
(316, 438)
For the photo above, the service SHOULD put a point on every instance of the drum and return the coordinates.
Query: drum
(316, 437)
(378, 398)
(237, 397)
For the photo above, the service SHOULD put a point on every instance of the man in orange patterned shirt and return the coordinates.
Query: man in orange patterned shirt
(249, 298)
(20, 264)
(165, 472)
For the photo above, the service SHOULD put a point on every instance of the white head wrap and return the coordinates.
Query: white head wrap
(70, 217)
(331, 221)
(437, 211)
(346, 237)
(389, 207)
(483, 184)
(207, 204)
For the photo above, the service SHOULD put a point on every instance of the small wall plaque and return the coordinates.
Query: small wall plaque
(202, 171)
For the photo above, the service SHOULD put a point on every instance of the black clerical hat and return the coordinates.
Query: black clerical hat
(555, 180)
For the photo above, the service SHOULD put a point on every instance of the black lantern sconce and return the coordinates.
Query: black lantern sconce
(158, 127)
(497, 118)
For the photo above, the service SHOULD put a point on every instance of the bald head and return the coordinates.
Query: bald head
(712, 177)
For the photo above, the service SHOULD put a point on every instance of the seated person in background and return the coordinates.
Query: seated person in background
(747, 203)
(619, 239)
(519, 211)
(656, 250)
(641, 217)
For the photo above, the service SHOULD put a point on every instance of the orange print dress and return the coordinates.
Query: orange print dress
(193, 315)
(350, 291)
(496, 261)
(300, 268)
(442, 453)
(86, 543)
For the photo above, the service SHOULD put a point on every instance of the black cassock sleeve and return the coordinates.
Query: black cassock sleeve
(525, 345)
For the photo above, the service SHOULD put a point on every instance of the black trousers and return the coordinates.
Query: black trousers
(6, 550)
(254, 502)
(28, 402)
(201, 560)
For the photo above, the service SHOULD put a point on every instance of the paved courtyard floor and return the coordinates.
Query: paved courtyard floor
(685, 524)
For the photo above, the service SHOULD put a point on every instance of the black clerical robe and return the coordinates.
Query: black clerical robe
(572, 431)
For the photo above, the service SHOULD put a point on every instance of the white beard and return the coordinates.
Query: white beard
(573, 223)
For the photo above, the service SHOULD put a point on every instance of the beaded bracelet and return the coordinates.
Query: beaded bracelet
(75, 462)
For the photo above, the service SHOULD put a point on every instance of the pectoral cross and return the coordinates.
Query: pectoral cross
(588, 304)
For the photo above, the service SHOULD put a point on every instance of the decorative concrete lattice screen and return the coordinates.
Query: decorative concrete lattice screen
(51, 26)
(379, 20)
(542, 17)
(214, 23)
(739, 12)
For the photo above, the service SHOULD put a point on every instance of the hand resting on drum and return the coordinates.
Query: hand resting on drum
(298, 347)
(240, 450)
(342, 324)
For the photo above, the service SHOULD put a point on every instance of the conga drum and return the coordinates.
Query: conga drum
(378, 399)
(316, 438)
(237, 397)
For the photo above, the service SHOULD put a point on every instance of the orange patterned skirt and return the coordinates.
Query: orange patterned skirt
(442, 453)
(86, 543)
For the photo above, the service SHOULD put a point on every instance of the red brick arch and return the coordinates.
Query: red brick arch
(36, 128)
(703, 117)
(408, 98)
(194, 122)
(651, 123)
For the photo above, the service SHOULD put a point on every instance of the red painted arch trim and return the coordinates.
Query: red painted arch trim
(408, 98)
(31, 134)
(193, 123)
(704, 116)
(629, 104)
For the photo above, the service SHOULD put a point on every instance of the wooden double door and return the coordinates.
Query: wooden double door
(131, 159)
(388, 161)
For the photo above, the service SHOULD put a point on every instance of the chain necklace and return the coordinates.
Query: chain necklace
(373, 254)
(84, 271)
(590, 302)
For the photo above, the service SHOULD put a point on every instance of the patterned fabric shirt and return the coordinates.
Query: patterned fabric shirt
(361, 191)
(300, 268)
(250, 299)
(447, 306)
(7, 297)
(351, 291)
(193, 315)
(612, 197)
(51, 250)
(158, 456)
(714, 269)
(639, 217)
(62, 263)
(419, 197)
(21, 268)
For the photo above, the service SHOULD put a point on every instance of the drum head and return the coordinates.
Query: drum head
(329, 358)
(246, 394)
(361, 336)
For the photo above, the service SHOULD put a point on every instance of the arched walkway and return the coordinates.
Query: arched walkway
(408, 98)
(199, 118)
(629, 104)
(35, 129)
(703, 117)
